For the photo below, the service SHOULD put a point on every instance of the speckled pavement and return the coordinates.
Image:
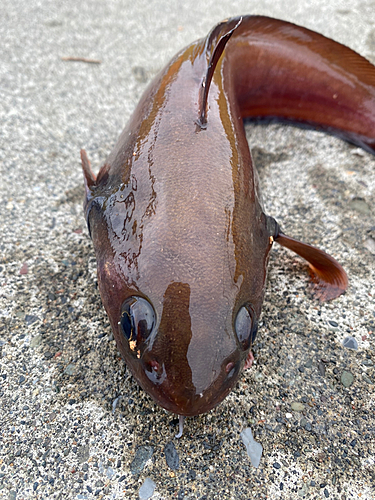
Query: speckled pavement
(74, 424)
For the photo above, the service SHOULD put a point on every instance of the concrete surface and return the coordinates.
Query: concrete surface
(62, 435)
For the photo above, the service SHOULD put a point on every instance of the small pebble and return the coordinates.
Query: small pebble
(303, 491)
(30, 319)
(367, 379)
(24, 269)
(297, 406)
(115, 403)
(367, 362)
(142, 456)
(347, 378)
(191, 475)
(258, 376)
(321, 368)
(360, 205)
(171, 455)
(110, 473)
(308, 363)
(70, 369)
(254, 449)
(147, 489)
(350, 343)
(369, 243)
(35, 341)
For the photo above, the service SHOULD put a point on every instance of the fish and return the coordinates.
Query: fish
(176, 217)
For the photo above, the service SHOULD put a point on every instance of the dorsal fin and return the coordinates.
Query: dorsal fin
(205, 86)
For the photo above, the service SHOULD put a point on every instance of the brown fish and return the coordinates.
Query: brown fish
(180, 235)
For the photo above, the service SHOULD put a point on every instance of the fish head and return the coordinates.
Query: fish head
(184, 311)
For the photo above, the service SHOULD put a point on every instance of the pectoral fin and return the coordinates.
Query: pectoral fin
(91, 180)
(249, 361)
(93, 184)
(329, 278)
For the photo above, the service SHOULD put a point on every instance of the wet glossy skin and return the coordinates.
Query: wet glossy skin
(175, 214)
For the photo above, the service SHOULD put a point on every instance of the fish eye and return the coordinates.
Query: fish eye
(137, 321)
(246, 326)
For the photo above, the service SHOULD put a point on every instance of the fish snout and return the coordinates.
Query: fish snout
(179, 390)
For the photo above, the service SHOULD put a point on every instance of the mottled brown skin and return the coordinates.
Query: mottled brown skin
(175, 213)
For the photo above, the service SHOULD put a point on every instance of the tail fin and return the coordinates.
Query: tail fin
(287, 72)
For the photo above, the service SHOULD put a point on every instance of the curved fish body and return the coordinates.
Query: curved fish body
(175, 214)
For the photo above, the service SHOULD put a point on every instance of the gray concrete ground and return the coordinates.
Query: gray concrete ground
(308, 400)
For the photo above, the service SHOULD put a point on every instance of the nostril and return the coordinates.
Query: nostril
(155, 371)
(154, 365)
(231, 369)
(229, 366)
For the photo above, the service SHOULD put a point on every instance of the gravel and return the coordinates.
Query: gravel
(72, 418)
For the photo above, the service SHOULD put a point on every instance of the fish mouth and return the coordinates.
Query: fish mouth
(175, 393)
